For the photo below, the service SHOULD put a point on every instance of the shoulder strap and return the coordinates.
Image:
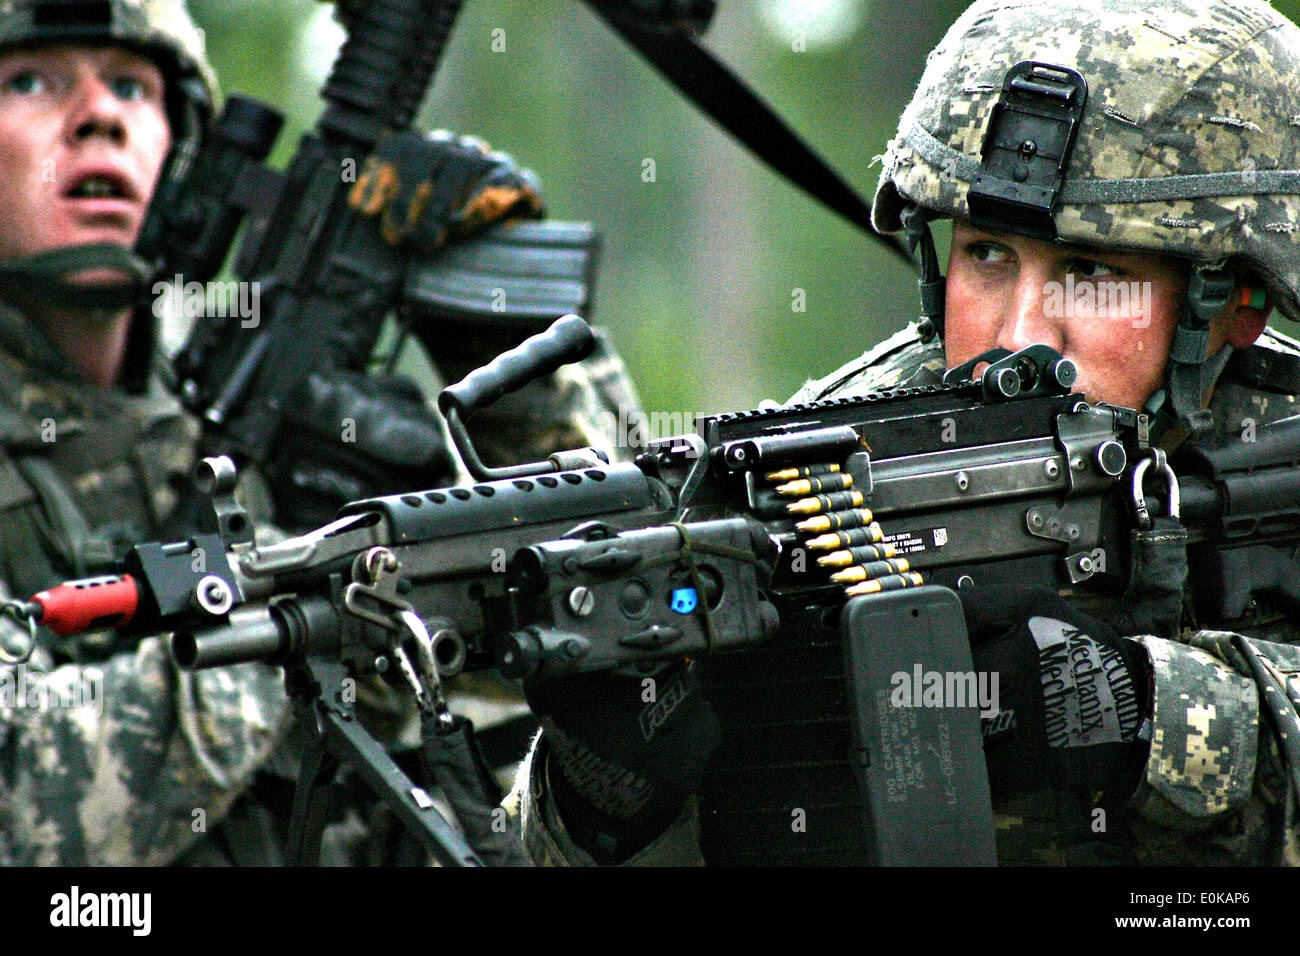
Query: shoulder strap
(716, 91)
(25, 565)
(71, 532)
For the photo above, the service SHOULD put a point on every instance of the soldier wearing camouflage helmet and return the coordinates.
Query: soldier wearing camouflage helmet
(1175, 166)
(1184, 177)
(110, 754)
(109, 757)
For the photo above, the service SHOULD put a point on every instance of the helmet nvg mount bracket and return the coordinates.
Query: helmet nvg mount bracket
(1026, 149)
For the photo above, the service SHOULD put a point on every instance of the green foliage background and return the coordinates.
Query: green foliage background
(700, 266)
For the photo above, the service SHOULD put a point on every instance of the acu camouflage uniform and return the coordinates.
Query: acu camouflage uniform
(158, 756)
(137, 774)
(1188, 146)
(1223, 779)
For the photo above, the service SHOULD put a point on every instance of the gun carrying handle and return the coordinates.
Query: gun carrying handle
(569, 339)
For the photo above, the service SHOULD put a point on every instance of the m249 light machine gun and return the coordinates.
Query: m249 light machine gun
(795, 552)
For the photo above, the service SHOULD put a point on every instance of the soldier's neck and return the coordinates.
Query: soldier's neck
(95, 345)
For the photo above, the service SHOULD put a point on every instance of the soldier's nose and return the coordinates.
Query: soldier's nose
(96, 111)
(1030, 317)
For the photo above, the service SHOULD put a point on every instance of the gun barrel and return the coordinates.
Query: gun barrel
(285, 630)
(252, 634)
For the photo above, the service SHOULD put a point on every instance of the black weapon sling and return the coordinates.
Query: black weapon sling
(716, 91)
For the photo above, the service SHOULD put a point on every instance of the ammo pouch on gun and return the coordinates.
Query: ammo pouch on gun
(817, 767)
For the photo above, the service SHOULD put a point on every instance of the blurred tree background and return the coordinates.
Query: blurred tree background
(701, 266)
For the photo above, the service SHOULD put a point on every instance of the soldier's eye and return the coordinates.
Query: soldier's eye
(988, 252)
(1091, 269)
(130, 88)
(26, 83)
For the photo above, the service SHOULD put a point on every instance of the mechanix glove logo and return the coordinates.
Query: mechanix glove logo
(1088, 693)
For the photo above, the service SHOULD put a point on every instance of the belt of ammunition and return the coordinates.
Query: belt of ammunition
(822, 504)
(892, 582)
(815, 485)
(843, 520)
(859, 555)
(870, 570)
(790, 474)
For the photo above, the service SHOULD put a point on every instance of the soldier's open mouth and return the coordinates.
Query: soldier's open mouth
(97, 187)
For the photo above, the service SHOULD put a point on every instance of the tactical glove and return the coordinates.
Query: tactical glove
(350, 436)
(625, 753)
(1073, 695)
(427, 190)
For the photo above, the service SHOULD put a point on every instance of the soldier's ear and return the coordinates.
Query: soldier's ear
(1247, 324)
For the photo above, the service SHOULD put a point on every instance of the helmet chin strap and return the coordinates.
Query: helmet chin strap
(1188, 375)
(916, 226)
(47, 276)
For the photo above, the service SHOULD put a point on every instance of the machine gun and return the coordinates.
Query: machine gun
(801, 553)
(970, 482)
(734, 544)
(696, 551)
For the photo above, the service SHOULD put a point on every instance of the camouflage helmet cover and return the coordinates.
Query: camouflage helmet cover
(1189, 143)
(160, 29)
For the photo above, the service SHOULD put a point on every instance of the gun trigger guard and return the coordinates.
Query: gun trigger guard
(1157, 458)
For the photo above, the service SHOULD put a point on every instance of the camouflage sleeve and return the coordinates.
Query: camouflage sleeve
(547, 843)
(1225, 746)
(130, 761)
(908, 357)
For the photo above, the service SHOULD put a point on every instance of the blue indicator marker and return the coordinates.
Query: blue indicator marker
(684, 601)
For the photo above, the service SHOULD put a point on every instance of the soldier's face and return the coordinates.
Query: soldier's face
(1112, 314)
(83, 136)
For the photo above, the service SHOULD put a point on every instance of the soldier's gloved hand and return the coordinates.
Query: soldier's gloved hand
(624, 754)
(429, 189)
(1072, 694)
(349, 436)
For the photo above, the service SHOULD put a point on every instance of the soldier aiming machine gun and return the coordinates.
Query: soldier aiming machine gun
(739, 546)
